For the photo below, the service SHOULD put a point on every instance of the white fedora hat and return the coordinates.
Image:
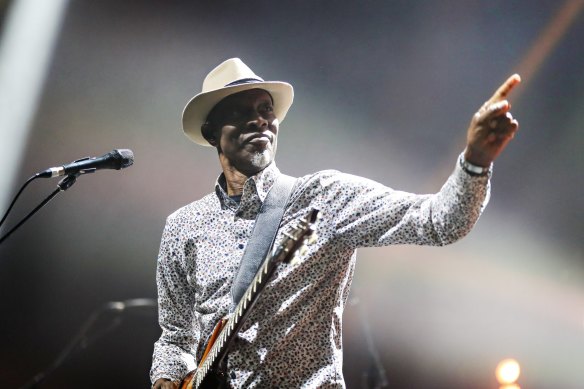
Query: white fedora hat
(230, 77)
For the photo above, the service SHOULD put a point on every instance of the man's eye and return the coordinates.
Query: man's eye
(268, 108)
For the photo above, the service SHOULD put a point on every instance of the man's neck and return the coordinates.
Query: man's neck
(235, 177)
(234, 181)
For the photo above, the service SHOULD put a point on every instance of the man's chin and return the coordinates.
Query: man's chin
(261, 160)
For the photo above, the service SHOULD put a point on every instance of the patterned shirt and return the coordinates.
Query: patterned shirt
(292, 337)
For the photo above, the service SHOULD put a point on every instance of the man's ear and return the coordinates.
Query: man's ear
(208, 134)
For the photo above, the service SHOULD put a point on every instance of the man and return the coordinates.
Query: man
(292, 337)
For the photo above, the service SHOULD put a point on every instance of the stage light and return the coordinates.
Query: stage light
(507, 372)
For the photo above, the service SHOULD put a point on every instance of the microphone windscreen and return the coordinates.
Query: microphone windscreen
(125, 157)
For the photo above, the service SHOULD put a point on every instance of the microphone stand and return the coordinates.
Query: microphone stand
(81, 341)
(376, 377)
(62, 186)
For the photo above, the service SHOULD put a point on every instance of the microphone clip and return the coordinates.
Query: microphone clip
(68, 181)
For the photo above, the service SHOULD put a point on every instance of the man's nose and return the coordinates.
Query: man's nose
(258, 120)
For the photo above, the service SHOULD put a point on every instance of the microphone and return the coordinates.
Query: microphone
(115, 159)
(132, 303)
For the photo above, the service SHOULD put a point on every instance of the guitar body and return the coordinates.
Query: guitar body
(212, 381)
(209, 372)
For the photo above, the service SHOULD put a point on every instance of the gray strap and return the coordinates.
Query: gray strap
(262, 236)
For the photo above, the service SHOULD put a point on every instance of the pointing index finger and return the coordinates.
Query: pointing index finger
(505, 88)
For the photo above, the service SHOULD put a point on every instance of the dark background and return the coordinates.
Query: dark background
(384, 89)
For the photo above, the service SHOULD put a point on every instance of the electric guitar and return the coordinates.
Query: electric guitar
(294, 243)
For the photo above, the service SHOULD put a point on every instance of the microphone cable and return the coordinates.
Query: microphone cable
(31, 179)
(63, 185)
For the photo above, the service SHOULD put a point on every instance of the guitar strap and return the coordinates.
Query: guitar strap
(262, 236)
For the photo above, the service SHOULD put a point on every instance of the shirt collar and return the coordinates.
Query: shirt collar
(260, 183)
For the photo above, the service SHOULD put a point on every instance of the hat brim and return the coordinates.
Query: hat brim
(198, 108)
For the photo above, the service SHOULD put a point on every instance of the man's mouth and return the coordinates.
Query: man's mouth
(259, 139)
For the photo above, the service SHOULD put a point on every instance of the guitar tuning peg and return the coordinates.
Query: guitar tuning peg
(303, 250)
(313, 237)
(295, 260)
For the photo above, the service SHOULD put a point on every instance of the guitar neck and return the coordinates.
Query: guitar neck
(241, 312)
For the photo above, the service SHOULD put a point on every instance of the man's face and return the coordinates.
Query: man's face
(246, 130)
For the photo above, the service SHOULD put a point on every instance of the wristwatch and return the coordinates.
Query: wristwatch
(471, 169)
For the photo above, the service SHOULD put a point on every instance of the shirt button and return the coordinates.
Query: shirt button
(241, 246)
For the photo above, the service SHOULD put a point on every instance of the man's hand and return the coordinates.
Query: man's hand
(164, 383)
(492, 127)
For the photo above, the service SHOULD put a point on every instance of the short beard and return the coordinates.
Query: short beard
(261, 159)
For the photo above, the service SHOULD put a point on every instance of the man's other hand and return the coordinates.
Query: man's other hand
(492, 127)
(164, 383)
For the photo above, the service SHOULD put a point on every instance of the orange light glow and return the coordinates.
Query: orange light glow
(548, 40)
(512, 386)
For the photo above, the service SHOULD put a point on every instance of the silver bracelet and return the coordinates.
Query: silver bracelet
(471, 169)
